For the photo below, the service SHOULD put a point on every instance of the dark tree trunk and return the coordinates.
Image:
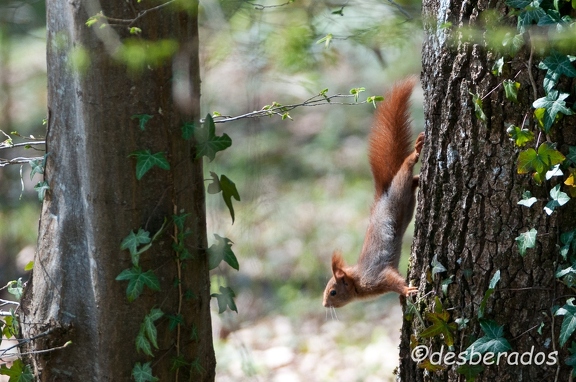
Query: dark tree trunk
(95, 201)
(468, 216)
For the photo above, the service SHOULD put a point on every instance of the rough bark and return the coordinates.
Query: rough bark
(468, 215)
(95, 201)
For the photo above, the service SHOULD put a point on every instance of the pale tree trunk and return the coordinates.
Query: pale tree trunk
(468, 216)
(95, 201)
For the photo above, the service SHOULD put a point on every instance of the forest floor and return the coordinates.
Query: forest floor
(289, 349)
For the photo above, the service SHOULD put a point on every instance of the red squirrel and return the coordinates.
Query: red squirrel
(392, 161)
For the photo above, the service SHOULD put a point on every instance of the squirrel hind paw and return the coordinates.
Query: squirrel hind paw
(408, 291)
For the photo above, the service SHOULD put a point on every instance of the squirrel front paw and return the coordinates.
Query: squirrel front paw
(410, 291)
(419, 143)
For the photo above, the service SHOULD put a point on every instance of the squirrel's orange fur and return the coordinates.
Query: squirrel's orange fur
(392, 160)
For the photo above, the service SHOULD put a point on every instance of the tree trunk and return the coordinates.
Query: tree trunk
(95, 201)
(468, 217)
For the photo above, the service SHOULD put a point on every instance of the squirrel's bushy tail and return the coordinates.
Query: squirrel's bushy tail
(391, 137)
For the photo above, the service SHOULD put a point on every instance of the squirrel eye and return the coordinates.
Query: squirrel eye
(332, 292)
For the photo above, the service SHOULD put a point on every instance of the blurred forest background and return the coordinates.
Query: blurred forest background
(305, 183)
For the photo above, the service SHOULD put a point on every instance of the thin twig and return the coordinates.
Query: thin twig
(36, 351)
(12, 145)
(18, 160)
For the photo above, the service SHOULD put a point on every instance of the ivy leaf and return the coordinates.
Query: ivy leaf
(142, 118)
(207, 142)
(133, 240)
(174, 321)
(143, 373)
(470, 372)
(552, 104)
(142, 343)
(571, 361)
(16, 288)
(567, 239)
(520, 136)
(493, 340)
(478, 107)
(527, 199)
(222, 250)
(188, 130)
(440, 325)
(437, 267)
(554, 171)
(539, 161)
(526, 240)
(214, 187)
(511, 90)
(559, 198)
(149, 328)
(41, 188)
(569, 321)
(488, 293)
(557, 64)
(37, 166)
(497, 67)
(137, 280)
(145, 160)
(18, 372)
(229, 191)
(225, 299)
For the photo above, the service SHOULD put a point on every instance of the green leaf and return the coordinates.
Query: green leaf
(569, 321)
(37, 166)
(493, 340)
(326, 40)
(29, 266)
(229, 191)
(174, 321)
(18, 372)
(495, 279)
(527, 199)
(439, 326)
(470, 372)
(179, 221)
(143, 373)
(145, 160)
(178, 362)
(41, 188)
(133, 240)
(214, 187)
(222, 250)
(557, 64)
(552, 104)
(16, 288)
(526, 240)
(572, 155)
(571, 361)
(559, 198)
(188, 130)
(142, 343)
(207, 142)
(137, 280)
(142, 118)
(225, 299)
(135, 30)
(478, 107)
(511, 90)
(520, 136)
(437, 267)
(539, 161)
(497, 67)
(148, 326)
(356, 92)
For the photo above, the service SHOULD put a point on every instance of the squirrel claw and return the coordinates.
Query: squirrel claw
(419, 143)
(410, 291)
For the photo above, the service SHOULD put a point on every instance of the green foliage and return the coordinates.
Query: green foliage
(147, 336)
(553, 104)
(142, 120)
(527, 199)
(225, 299)
(440, 324)
(478, 104)
(511, 90)
(488, 293)
(228, 189)
(207, 142)
(18, 372)
(143, 373)
(16, 288)
(526, 240)
(571, 361)
(222, 250)
(493, 340)
(520, 136)
(41, 188)
(539, 161)
(145, 160)
(137, 53)
(569, 321)
(137, 280)
(557, 199)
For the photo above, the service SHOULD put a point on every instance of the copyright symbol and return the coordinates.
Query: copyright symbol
(419, 353)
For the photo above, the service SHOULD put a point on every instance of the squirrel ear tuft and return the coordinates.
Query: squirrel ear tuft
(338, 265)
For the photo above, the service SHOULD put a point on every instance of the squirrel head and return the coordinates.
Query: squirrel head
(341, 289)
